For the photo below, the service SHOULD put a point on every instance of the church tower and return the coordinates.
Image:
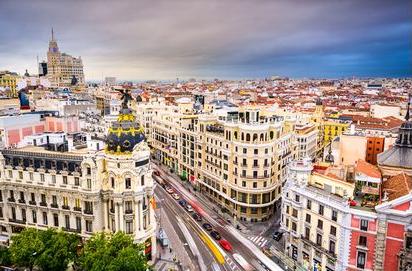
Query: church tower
(127, 182)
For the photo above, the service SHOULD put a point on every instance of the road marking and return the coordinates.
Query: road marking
(264, 243)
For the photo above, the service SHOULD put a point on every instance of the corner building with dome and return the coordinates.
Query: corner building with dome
(106, 186)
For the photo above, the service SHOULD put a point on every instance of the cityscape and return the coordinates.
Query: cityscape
(206, 135)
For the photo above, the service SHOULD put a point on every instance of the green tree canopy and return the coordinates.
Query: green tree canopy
(112, 252)
(47, 250)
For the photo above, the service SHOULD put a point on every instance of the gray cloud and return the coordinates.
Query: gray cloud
(232, 38)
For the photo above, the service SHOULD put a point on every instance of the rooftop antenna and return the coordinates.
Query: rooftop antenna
(52, 34)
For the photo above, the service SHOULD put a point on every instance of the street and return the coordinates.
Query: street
(241, 246)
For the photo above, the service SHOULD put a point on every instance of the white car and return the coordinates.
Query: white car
(189, 208)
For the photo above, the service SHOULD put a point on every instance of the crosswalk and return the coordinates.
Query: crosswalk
(260, 241)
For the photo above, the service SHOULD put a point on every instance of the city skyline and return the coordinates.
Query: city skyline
(206, 40)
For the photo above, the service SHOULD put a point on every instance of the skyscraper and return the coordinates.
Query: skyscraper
(62, 68)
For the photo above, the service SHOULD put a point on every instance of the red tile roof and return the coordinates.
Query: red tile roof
(398, 186)
(368, 169)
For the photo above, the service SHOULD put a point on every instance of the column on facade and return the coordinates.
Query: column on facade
(116, 220)
(105, 215)
(137, 214)
(141, 214)
(121, 216)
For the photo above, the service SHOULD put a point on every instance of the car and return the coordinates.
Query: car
(207, 226)
(169, 190)
(277, 235)
(176, 196)
(215, 235)
(197, 217)
(225, 245)
(182, 202)
(188, 208)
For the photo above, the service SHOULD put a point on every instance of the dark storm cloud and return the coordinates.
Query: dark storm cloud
(185, 38)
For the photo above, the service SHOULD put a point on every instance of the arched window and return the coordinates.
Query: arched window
(243, 136)
(128, 183)
(262, 137)
(255, 137)
(271, 135)
(248, 137)
(235, 134)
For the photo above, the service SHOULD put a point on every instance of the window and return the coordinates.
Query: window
(88, 207)
(307, 233)
(42, 177)
(362, 241)
(319, 239)
(89, 226)
(54, 199)
(309, 205)
(77, 203)
(1, 212)
(244, 150)
(360, 261)
(308, 218)
(88, 171)
(334, 215)
(43, 198)
(128, 183)
(34, 216)
(364, 225)
(295, 213)
(65, 201)
(297, 198)
(31, 176)
(254, 184)
(287, 209)
(332, 246)
(67, 221)
(64, 179)
(20, 175)
(53, 179)
(294, 227)
(142, 180)
(76, 181)
(78, 223)
(128, 207)
(23, 214)
(256, 151)
(32, 197)
(333, 230)
(321, 209)
(320, 224)
(56, 220)
(129, 226)
(89, 183)
(44, 218)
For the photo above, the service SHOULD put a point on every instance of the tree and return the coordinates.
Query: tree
(48, 250)
(26, 248)
(112, 252)
(60, 250)
(5, 257)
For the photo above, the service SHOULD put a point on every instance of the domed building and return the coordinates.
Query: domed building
(398, 159)
(127, 184)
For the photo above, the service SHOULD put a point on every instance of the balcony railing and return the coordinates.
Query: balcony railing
(54, 205)
(32, 202)
(77, 209)
(66, 207)
(22, 201)
(129, 211)
(44, 204)
(11, 199)
(88, 212)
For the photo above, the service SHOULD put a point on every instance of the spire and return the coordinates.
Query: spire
(407, 108)
(52, 34)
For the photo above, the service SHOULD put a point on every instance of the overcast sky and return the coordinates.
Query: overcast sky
(139, 40)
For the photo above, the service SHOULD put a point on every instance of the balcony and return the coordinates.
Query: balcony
(129, 211)
(66, 207)
(88, 212)
(112, 210)
(11, 199)
(18, 221)
(72, 230)
(22, 201)
(32, 202)
(54, 205)
(44, 204)
(319, 247)
(77, 209)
